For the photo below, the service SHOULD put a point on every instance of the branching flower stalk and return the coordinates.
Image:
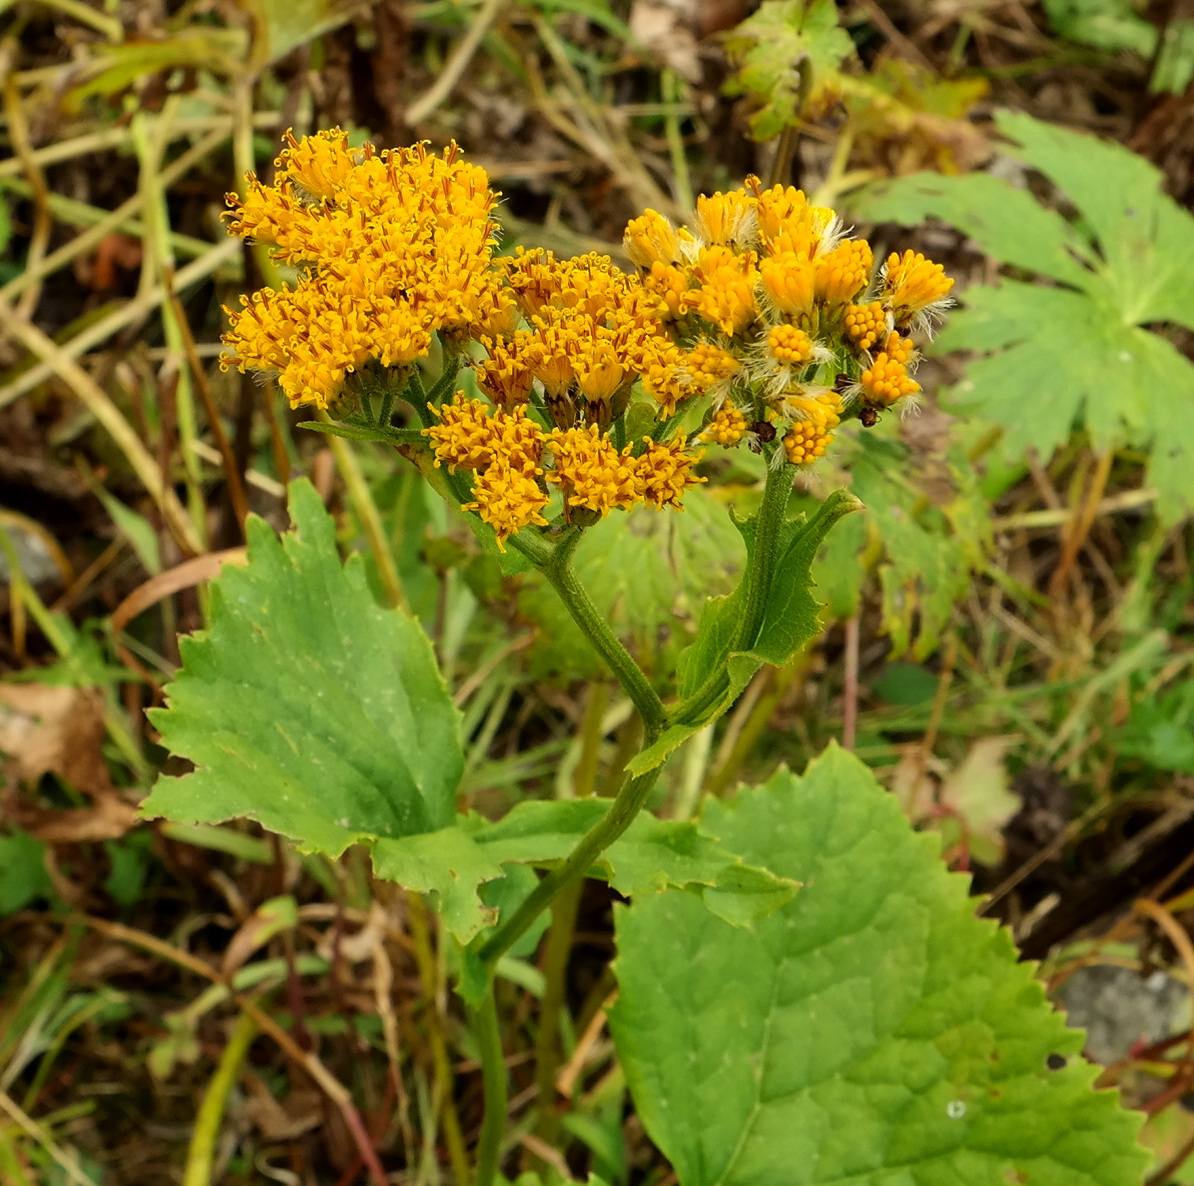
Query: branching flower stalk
(761, 326)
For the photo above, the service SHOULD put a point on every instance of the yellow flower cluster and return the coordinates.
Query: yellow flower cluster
(764, 309)
(772, 283)
(510, 454)
(393, 246)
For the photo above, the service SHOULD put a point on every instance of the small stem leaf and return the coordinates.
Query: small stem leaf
(652, 855)
(871, 1031)
(711, 673)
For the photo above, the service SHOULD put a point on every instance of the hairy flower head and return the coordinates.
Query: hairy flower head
(865, 324)
(841, 274)
(591, 472)
(789, 279)
(651, 239)
(914, 288)
(886, 380)
(665, 472)
(725, 295)
(725, 219)
(787, 222)
(508, 500)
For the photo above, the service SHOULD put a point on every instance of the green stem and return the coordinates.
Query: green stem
(493, 1077)
(761, 568)
(592, 844)
(201, 1152)
(562, 577)
(547, 1040)
(756, 581)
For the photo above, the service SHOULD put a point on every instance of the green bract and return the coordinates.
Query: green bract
(872, 1031)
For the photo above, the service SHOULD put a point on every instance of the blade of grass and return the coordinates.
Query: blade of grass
(117, 137)
(158, 272)
(57, 361)
(43, 220)
(109, 26)
(67, 1161)
(456, 64)
(202, 1149)
(121, 219)
(362, 502)
(232, 474)
(104, 328)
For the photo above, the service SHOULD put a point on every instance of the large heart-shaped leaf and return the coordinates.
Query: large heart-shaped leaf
(873, 1031)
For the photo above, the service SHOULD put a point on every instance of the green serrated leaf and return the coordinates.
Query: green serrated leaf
(1089, 351)
(1104, 24)
(291, 23)
(305, 705)
(1144, 237)
(872, 1031)
(788, 52)
(651, 856)
(1007, 223)
(449, 866)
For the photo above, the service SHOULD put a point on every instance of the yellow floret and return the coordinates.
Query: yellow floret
(789, 345)
(865, 324)
(897, 348)
(912, 284)
(591, 472)
(726, 428)
(651, 239)
(464, 438)
(726, 293)
(709, 365)
(667, 284)
(508, 500)
(319, 163)
(788, 278)
(843, 272)
(506, 376)
(600, 370)
(725, 219)
(788, 223)
(886, 381)
(805, 442)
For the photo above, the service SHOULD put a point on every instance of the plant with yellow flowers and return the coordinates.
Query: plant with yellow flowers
(764, 317)
(761, 326)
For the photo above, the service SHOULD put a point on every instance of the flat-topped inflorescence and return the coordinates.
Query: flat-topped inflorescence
(763, 323)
